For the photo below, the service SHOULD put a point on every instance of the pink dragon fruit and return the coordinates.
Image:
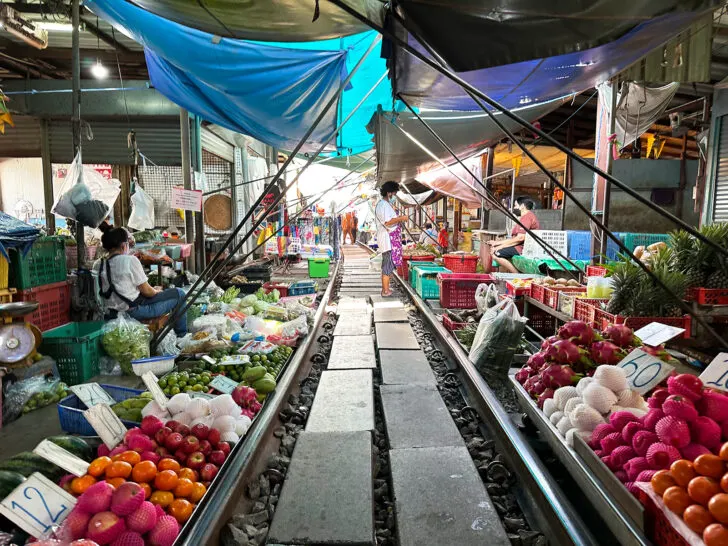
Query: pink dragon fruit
(661, 455)
(673, 432)
(657, 352)
(534, 386)
(642, 441)
(605, 352)
(545, 395)
(536, 362)
(548, 341)
(563, 352)
(706, 432)
(556, 376)
(243, 396)
(602, 431)
(687, 385)
(714, 405)
(523, 374)
(693, 451)
(620, 335)
(579, 332)
(619, 419)
(678, 406)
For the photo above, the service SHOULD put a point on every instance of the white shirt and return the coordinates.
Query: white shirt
(128, 274)
(383, 213)
(428, 237)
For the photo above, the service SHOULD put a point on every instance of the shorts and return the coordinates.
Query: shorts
(387, 263)
(507, 252)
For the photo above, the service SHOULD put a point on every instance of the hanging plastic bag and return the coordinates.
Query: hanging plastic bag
(86, 196)
(499, 333)
(126, 339)
(142, 210)
(486, 296)
(31, 394)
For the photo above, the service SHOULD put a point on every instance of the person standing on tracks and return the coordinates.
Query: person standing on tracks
(354, 227)
(389, 233)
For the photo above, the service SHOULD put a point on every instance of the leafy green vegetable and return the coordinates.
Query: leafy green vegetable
(248, 301)
(126, 340)
(230, 294)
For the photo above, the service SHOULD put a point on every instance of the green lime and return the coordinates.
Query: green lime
(162, 383)
(182, 384)
(174, 390)
(198, 388)
(166, 391)
(171, 381)
(255, 358)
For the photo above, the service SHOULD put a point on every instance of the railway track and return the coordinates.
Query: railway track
(282, 489)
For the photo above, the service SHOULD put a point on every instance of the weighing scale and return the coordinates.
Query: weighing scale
(18, 340)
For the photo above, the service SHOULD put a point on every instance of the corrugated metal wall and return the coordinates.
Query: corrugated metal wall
(23, 140)
(158, 140)
(720, 205)
(217, 146)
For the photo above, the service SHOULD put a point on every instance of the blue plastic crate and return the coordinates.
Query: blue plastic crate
(302, 288)
(579, 245)
(426, 282)
(422, 265)
(70, 410)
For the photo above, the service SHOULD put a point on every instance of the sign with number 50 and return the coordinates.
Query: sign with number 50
(644, 371)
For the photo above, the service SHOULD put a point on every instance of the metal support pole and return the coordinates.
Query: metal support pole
(76, 111)
(610, 167)
(246, 193)
(45, 155)
(199, 221)
(489, 161)
(184, 126)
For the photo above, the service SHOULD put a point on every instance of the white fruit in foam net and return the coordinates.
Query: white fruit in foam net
(183, 418)
(564, 425)
(585, 418)
(583, 383)
(563, 395)
(572, 403)
(599, 397)
(178, 403)
(224, 423)
(575, 432)
(224, 405)
(198, 407)
(242, 424)
(629, 398)
(612, 377)
(152, 408)
(229, 436)
(549, 406)
(556, 417)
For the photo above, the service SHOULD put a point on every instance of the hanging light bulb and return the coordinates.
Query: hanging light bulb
(99, 71)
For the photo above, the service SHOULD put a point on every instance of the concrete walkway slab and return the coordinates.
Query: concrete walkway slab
(395, 335)
(353, 323)
(405, 368)
(352, 352)
(380, 302)
(327, 497)
(416, 416)
(348, 303)
(440, 499)
(390, 314)
(344, 402)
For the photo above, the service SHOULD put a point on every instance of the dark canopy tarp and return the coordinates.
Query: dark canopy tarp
(535, 80)
(468, 134)
(474, 34)
(266, 20)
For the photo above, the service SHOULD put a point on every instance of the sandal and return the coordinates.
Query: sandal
(387, 294)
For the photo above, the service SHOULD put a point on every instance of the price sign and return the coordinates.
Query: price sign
(151, 381)
(202, 395)
(716, 374)
(644, 372)
(655, 334)
(209, 360)
(106, 424)
(92, 394)
(59, 456)
(223, 384)
(186, 199)
(37, 505)
(238, 360)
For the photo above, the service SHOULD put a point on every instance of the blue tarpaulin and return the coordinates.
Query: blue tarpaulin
(272, 92)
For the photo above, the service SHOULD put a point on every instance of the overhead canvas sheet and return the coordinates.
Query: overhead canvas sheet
(468, 134)
(537, 80)
(455, 181)
(475, 34)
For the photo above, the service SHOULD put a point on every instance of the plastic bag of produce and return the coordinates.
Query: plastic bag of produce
(486, 296)
(498, 336)
(248, 301)
(211, 323)
(196, 342)
(276, 312)
(262, 327)
(31, 394)
(126, 339)
(296, 327)
(168, 345)
(142, 210)
(259, 347)
(295, 310)
(260, 307)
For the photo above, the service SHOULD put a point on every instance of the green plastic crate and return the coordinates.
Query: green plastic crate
(420, 265)
(45, 263)
(76, 348)
(633, 240)
(318, 268)
(426, 282)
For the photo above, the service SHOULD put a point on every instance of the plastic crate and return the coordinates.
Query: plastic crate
(554, 239)
(543, 323)
(461, 263)
(303, 288)
(318, 268)
(708, 296)
(566, 302)
(585, 309)
(281, 287)
(451, 325)
(4, 272)
(76, 348)
(457, 290)
(579, 244)
(596, 271)
(403, 270)
(45, 263)
(515, 291)
(72, 256)
(658, 528)
(551, 295)
(178, 251)
(420, 265)
(537, 291)
(54, 305)
(604, 319)
(426, 282)
(633, 240)
(70, 411)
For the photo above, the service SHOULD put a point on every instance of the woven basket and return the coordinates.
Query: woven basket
(217, 212)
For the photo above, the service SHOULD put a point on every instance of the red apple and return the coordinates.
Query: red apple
(224, 447)
(201, 431)
(184, 430)
(190, 444)
(162, 452)
(161, 435)
(172, 424)
(173, 441)
(151, 456)
(213, 437)
(180, 456)
(217, 457)
(208, 472)
(205, 447)
(195, 460)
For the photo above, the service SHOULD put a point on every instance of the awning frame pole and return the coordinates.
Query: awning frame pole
(474, 92)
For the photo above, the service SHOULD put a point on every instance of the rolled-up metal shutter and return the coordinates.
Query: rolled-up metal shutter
(23, 140)
(720, 206)
(216, 145)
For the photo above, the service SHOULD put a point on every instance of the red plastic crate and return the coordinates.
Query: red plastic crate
(551, 295)
(451, 325)
(708, 296)
(54, 305)
(596, 271)
(537, 291)
(461, 263)
(657, 527)
(457, 290)
(403, 270)
(604, 319)
(281, 287)
(585, 309)
(515, 291)
(541, 322)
